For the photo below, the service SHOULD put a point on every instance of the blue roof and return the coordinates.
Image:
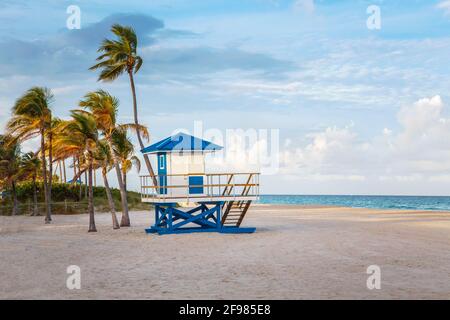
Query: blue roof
(181, 142)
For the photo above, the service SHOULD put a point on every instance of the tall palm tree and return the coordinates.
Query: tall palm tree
(119, 56)
(29, 168)
(32, 117)
(77, 136)
(10, 165)
(104, 108)
(104, 161)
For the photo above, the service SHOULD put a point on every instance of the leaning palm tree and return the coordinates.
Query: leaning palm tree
(119, 56)
(29, 168)
(31, 118)
(9, 166)
(104, 108)
(103, 160)
(80, 135)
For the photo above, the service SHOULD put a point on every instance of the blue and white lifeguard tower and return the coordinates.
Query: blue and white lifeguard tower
(216, 202)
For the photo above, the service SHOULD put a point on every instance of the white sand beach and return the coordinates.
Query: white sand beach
(296, 253)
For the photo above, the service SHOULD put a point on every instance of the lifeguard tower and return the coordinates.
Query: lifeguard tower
(220, 201)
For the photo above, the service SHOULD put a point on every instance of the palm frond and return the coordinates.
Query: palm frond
(138, 65)
(136, 127)
(112, 72)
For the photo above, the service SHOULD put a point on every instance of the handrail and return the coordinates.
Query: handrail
(214, 185)
(203, 186)
(199, 174)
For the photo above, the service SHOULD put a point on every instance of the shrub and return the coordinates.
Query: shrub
(65, 199)
(60, 192)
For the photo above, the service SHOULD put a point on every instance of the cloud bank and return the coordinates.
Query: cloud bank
(419, 151)
(74, 51)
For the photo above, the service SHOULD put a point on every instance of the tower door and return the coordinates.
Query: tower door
(162, 172)
(196, 185)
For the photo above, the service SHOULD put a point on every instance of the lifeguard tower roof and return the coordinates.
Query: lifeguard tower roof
(182, 142)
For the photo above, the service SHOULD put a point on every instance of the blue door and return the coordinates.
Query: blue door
(196, 185)
(162, 172)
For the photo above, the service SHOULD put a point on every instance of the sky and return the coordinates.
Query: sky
(355, 110)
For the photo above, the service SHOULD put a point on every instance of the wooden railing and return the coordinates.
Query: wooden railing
(215, 185)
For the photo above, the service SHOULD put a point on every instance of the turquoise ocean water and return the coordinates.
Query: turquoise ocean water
(376, 202)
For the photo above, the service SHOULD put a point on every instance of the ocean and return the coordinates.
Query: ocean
(375, 202)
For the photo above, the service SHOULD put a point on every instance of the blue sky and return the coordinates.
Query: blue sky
(359, 111)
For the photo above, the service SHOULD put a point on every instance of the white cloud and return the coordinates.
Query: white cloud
(358, 94)
(307, 6)
(444, 5)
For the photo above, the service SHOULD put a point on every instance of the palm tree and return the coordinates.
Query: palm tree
(104, 108)
(80, 136)
(29, 168)
(62, 152)
(9, 166)
(32, 117)
(54, 126)
(103, 159)
(127, 165)
(119, 56)
(125, 152)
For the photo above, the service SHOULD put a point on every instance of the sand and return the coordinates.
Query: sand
(296, 253)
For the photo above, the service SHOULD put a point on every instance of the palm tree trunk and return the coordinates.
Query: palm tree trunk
(125, 181)
(138, 133)
(15, 208)
(60, 171)
(50, 181)
(125, 221)
(74, 160)
(92, 227)
(64, 170)
(86, 184)
(35, 202)
(111, 201)
(80, 193)
(44, 176)
(56, 169)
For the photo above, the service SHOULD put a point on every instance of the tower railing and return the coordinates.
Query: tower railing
(222, 186)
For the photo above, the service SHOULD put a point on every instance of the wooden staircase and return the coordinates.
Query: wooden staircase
(235, 211)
